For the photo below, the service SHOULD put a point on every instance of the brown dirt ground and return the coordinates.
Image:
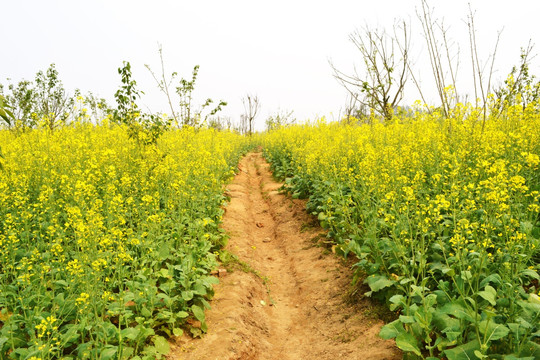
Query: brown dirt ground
(291, 304)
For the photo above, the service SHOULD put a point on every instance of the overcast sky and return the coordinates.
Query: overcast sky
(279, 50)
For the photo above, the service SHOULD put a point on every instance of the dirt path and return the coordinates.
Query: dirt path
(290, 304)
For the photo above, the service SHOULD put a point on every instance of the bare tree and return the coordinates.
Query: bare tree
(163, 84)
(227, 122)
(251, 107)
(445, 62)
(478, 69)
(350, 109)
(444, 65)
(220, 123)
(354, 111)
(243, 124)
(380, 86)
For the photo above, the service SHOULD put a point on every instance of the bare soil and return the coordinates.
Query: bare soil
(289, 299)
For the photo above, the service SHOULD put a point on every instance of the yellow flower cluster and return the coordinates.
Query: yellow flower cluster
(46, 326)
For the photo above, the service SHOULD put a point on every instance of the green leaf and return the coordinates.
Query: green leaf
(531, 349)
(146, 313)
(71, 336)
(418, 290)
(493, 278)
(199, 289)
(396, 302)
(109, 353)
(146, 333)
(205, 304)
(178, 332)
(448, 271)
(430, 300)
(463, 352)
(59, 300)
(406, 319)
(164, 273)
(492, 330)
(458, 311)
(162, 345)
(407, 342)
(530, 308)
(209, 280)
(164, 251)
(9, 113)
(130, 333)
(489, 294)
(378, 282)
(479, 355)
(466, 275)
(198, 312)
(182, 314)
(196, 332)
(391, 330)
(526, 226)
(453, 336)
(187, 295)
(530, 273)
(127, 353)
(445, 323)
(61, 283)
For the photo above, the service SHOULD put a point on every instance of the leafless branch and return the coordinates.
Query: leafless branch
(251, 107)
(163, 84)
(384, 77)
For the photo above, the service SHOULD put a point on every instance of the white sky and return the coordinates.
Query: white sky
(276, 49)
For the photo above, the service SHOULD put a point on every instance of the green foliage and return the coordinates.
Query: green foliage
(22, 102)
(279, 120)
(45, 103)
(126, 96)
(520, 87)
(51, 101)
(89, 107)
(188, 114)
(144, 128)
(6, 113)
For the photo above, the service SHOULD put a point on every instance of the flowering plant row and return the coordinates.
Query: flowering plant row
(443, 216)
(106, 246)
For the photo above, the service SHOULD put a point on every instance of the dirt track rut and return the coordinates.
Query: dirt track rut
(290, 302)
